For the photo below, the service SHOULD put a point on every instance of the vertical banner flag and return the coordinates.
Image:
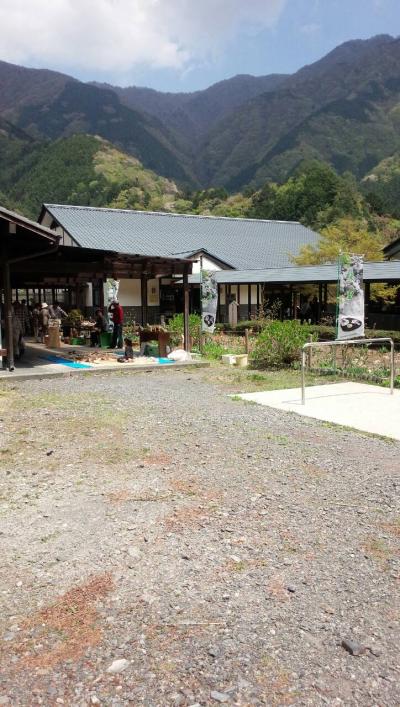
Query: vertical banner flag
(350, 309)
(209, 301)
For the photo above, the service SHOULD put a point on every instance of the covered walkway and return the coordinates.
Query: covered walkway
(31, 257)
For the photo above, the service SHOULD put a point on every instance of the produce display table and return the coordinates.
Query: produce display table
(162, 338)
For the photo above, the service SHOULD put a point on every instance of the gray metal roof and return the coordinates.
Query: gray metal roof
(388, 270)
(393, 249)
(28, 223)
(241, 243)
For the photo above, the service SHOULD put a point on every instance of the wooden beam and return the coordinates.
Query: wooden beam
(8, 315)
(143, 290)
(186, 336)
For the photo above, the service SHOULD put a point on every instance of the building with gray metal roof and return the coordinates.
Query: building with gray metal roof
(252, 258)
(238, 243)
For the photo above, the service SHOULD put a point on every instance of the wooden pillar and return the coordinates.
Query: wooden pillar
(143, 286)
(101, 293)
(367, 301)
(186, 337)
(218, 304)
(8, 315)
(249, 301)
(319, 301)
(227, 293)
(295, 300)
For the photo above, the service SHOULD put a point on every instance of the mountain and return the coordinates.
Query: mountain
(343, 109)
(80, 169)
(193, 114)
(45, 104)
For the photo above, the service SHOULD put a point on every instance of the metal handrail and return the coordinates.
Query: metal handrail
(313, 344)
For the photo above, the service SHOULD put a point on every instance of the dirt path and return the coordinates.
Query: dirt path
(222, 551)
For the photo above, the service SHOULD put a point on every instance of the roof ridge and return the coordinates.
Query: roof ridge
(171, 213)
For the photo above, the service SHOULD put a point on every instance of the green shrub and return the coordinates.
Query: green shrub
(175, 328)
(216, 345)
(279, 344)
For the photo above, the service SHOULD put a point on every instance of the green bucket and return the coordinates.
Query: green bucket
(105, 339)
(151, 350)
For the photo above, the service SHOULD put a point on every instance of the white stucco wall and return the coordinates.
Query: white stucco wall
(89, 295)
(208, 264)
(129, 293)
(244, 292)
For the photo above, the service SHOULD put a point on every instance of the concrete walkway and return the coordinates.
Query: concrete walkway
(368, 408)
(41, 362)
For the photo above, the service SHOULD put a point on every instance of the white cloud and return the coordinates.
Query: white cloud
(312, 28)
(116, 35)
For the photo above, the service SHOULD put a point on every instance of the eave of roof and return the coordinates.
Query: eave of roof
(33, 226)
(236, 242)
(383, 271)
(392, 248)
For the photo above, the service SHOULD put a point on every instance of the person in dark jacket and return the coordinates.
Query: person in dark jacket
(99, 327)
(117, 314)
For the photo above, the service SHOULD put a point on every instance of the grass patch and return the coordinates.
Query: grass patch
(248, 381)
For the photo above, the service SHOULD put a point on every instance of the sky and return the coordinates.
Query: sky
(183, 45)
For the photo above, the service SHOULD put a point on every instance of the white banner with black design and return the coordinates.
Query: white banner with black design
(209, 301)
(350, 314)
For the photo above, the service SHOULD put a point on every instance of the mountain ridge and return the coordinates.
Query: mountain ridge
(343, 109)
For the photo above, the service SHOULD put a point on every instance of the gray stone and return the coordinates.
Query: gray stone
(117, 666)
(214, 651)
(353, 647)
(291, 588)
(134, 552)
(220, 696)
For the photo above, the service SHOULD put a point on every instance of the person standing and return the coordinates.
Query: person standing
(44, 319)
(21, 313)
(99, 327)
(117, 314)
(315, 310)
(56, 312)
(305, 312)
(36, 321)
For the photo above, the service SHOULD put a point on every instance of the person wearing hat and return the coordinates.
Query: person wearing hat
(44, 318)
(36, 321)
(117, 314)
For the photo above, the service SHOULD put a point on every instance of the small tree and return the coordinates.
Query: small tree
(279, 344)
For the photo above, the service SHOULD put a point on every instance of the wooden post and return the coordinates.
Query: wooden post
(247, 342)
(309, 359)
(8, 315)
(143, 293)
(101, 293)
(186, 337)
(319, 301)
(367, 301)
(249, 301)
(227, 297)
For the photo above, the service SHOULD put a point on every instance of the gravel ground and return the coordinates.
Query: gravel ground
(163, 544)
